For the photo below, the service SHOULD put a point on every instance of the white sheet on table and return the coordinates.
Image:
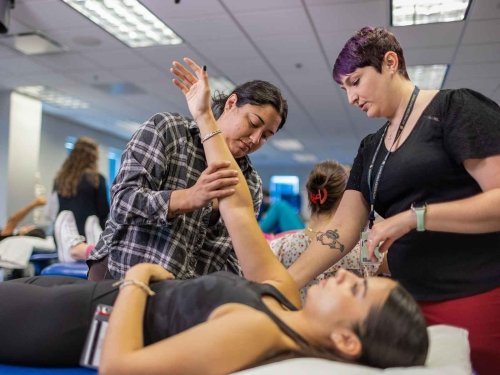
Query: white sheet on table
(15, 251)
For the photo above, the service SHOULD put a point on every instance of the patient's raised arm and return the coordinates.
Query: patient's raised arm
(256, 259)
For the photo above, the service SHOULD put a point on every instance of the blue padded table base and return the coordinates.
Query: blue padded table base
(21, 370)
(74, 269)
(40, 260)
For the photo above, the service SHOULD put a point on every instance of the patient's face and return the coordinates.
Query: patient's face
(346, 298)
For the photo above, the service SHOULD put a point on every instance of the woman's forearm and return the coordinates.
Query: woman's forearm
(125, 331)
(17, 217)
(333, 240)
(216, 149)
(257, 261)
(477, 214)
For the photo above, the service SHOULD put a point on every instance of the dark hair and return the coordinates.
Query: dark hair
(36, 232)
(256, 93)
(392, 335)
(367, 48)
(330, 176)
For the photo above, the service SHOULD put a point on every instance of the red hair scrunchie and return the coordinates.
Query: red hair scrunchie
(320, 197)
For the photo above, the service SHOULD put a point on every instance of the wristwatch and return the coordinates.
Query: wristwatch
(420, 209)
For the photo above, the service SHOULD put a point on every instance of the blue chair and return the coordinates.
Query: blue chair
(74, 269)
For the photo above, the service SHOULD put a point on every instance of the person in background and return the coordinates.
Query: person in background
(236, 323)
(11, 227)
(80, 189)
(165, 197)
(279, 217)
(264, 206)
(71, 246)
(325, 186)
(433, 173)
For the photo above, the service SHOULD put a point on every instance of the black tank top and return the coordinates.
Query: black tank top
(181, 304)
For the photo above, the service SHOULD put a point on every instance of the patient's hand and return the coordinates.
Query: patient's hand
(149, 272)
(39, 201)
(193, 83)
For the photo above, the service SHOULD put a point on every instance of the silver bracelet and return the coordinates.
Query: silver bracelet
(140, 284)
(210, 135)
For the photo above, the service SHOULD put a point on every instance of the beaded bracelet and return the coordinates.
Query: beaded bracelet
(140, 284)
(210, 135)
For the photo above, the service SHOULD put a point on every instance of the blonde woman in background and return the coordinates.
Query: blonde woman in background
(82, 197)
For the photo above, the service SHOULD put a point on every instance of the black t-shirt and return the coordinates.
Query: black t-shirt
(428, 167)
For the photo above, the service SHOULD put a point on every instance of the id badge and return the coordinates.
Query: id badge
(365, 260)
(93, 345)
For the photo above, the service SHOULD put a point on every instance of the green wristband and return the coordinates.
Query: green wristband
(420, 210)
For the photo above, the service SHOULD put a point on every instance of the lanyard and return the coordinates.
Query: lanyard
(373, 193)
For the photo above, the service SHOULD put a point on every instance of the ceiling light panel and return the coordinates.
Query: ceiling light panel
(288, 144)
(418, 12)
(305, 158)
(428, 77)
(32, 43)
(127, 20)
(52, 96)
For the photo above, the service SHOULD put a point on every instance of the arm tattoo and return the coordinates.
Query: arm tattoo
(330, 238)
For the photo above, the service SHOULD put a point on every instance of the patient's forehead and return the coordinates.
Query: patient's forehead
(378, 289)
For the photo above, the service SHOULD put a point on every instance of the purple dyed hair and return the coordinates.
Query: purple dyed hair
(367, 48)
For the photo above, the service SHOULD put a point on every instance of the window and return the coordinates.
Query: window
(285, 188)
(69, 144)
(114, 156)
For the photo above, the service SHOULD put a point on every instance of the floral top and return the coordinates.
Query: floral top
(289, 247)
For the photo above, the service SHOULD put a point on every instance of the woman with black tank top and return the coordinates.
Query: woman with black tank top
(218, 323)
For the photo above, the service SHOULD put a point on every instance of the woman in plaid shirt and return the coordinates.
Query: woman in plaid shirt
(164, 198)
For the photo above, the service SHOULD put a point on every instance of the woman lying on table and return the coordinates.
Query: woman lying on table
(217, 323)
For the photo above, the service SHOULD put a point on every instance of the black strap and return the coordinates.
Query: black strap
(373, 193)
(270, 290)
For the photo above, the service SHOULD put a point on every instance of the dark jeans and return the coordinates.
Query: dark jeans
(44, 320)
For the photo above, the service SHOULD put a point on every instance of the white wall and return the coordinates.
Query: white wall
(50, 154)
(4, 152)
(20, 150)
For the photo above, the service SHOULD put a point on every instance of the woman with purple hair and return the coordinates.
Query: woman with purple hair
(433, 172)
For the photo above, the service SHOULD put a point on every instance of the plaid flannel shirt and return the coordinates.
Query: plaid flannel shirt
(164, 155)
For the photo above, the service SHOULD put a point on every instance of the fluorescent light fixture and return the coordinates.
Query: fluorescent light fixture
(220, 85)
(129, 126)
(288, 144)
(127, 20)
(305, 158)
(32, 43)
(428, 77)
(52, 96)
(418, 12)
(119, 88)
